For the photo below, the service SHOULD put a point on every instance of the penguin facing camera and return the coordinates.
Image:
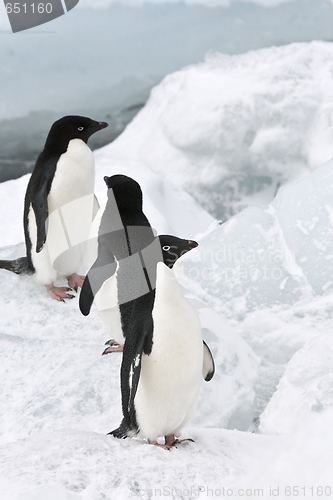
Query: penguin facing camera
(59, 207)
(170, 376)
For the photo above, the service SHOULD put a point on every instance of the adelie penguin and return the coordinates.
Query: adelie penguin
(59, 206)
(164, 355)
(125, 243)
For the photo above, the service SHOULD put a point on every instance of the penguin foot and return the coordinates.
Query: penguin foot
(114, 347)
(112, 342)
(170, 439)
(59, 292)
(164, 446)
(75, 281)
(110, 349)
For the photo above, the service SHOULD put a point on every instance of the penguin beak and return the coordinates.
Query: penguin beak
(106, 178)
(192, 244)
(103, 125)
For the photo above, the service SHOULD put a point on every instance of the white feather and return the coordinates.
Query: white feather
(170, 376)
(70, 204)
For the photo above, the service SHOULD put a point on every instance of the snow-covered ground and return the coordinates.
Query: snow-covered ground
(261, 283)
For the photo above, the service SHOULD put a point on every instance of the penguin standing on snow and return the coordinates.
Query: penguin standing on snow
(126, 243)
(59, 206)
(164, 355)
(170, 377)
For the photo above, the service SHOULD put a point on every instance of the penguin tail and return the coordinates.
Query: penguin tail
(17, 266)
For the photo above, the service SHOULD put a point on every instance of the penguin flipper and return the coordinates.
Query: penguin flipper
(129, 374)
(208, 367)
(40, 208)
(138, 340)
(97, 275)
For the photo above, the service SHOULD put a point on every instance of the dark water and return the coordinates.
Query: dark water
(22, 139)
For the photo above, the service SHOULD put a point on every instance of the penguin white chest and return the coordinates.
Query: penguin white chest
(74, 177)
(170, 376)
(70, 206)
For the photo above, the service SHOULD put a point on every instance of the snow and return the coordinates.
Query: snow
(233, 130)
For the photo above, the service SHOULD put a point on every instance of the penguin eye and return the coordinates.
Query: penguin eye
(166, 248)
(80, 129)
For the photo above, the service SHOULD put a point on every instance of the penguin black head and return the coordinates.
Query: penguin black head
(173, 248)
(127, 193)
(71, 127)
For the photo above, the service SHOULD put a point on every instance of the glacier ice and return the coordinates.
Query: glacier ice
(235, 129)
(306, 388)
(268, 271)
(267, 256)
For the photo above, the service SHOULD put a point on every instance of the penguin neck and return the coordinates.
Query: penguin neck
(54, 146)
(166, 283)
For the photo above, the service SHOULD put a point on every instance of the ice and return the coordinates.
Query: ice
(229, 399)
(272, 255)
(268, 271)
(233, 130)
(306, 388)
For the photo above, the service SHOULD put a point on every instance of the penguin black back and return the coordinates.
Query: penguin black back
(123, 234)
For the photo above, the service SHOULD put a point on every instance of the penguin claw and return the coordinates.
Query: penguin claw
(111, 342)
(111, 349)
(59, 293)
(180, 441)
